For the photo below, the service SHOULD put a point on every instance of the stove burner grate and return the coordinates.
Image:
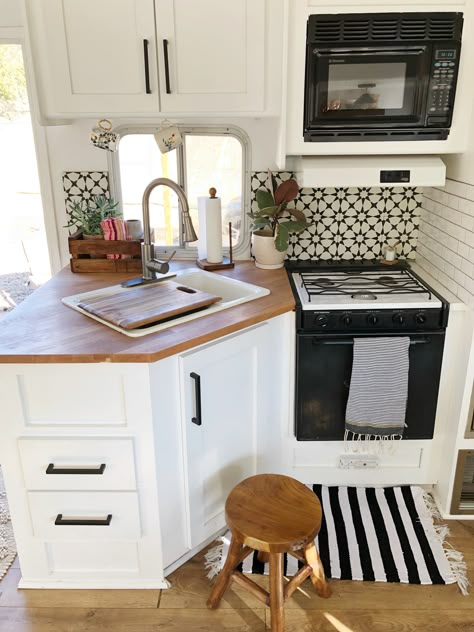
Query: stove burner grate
(370, 285)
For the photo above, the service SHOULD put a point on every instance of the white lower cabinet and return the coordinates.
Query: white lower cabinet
(103, 499)
(221, 399)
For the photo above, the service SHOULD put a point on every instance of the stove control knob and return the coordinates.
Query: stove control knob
(398, 319)
(420, 319)
(346, 320)
(372, 319)
(321, 320)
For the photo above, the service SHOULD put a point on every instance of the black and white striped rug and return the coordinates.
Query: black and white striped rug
(373, 534)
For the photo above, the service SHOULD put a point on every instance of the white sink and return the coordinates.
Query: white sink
(232, 291)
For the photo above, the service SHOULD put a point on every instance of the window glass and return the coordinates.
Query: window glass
(141, 161)
(211, 160)
(215, 161)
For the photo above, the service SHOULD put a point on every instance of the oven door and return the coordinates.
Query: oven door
(323, 376)
(366, 88)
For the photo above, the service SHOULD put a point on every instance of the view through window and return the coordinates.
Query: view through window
(210, 160)
(24, 260)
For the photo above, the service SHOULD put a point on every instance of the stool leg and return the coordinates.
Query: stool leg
(318, 578)
(263, 557)
(277, 611)
(223, 578)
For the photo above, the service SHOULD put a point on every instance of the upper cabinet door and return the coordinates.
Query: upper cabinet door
(211, 55)
(96, 57)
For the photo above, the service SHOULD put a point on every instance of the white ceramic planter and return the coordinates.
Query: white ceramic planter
(264, 250)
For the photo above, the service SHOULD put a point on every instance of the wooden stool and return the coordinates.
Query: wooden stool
(272, 514)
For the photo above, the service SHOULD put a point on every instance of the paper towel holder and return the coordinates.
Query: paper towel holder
(226, 262)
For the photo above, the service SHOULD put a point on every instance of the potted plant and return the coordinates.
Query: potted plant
(274, 221)
(86, 217)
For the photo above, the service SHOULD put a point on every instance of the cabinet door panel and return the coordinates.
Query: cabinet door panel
(92, 54)
(222, 451)
(216, 54)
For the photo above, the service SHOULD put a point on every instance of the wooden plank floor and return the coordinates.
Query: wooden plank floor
(354, 606)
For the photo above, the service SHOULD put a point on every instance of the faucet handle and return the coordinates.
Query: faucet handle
(162, 267)
(170, 257)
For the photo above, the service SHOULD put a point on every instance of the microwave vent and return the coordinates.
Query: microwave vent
(383, 27)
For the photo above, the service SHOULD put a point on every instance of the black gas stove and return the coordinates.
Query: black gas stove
(339, 301)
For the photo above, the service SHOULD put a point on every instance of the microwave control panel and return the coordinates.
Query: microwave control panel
(442, 85)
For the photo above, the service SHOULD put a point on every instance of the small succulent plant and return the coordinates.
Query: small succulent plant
(274, 212)
(87, 216)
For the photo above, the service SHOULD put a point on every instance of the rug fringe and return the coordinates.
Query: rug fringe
(213, 559)
(457, 565)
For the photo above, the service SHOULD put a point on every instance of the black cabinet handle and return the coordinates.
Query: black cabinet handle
(147, 66)
(82, 522)
(167, 66)
(52, 469)
(197, 396)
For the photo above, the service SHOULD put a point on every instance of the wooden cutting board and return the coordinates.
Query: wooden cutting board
(132, 308)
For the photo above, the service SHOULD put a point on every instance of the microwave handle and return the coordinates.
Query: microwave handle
(350, 341)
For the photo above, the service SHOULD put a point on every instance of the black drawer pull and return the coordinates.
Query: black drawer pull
(52, 469)
(82, 522)
(197, 396)
(167, 66)
(147, 66)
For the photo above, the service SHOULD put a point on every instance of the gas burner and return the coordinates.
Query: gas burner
(364, 296)
(322, 281)
(387, 279)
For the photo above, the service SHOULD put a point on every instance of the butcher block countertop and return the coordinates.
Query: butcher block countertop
(43, 329)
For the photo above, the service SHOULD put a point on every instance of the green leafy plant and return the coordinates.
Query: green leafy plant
(87, 216)
(275, 215)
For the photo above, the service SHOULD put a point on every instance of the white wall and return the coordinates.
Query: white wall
(10, 13)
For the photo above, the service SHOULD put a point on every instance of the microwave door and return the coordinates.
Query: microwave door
(368, 87)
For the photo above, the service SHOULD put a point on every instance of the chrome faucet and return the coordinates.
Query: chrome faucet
(150, 265)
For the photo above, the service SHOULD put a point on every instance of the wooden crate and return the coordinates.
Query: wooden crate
(90, 255)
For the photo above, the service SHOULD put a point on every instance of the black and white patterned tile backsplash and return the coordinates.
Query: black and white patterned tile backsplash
(352, 223)
(84, 185)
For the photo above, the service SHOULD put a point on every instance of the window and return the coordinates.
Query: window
(209, 157)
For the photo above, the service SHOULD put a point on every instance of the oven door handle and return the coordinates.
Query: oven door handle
(350, 341)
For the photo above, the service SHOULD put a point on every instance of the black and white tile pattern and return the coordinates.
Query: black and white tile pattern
(84, 185)
(352, 223)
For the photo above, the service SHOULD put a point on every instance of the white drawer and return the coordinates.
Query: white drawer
(52, 396)
(116, 512)
(96, 560)
(95, 464)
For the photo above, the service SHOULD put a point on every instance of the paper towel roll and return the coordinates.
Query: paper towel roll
(210, 229)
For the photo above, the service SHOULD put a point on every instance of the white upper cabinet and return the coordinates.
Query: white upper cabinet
(211, 55)
(105, 58)
(95, 57)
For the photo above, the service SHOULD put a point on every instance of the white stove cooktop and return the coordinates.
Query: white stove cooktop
(398, 289)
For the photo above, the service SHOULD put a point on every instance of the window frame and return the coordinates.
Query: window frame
(189, 251)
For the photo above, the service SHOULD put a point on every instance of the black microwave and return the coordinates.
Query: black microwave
(381, 76)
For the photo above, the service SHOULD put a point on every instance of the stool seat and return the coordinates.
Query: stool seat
(273, 513)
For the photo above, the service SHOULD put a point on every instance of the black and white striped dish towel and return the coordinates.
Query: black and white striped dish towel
(378, 392)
